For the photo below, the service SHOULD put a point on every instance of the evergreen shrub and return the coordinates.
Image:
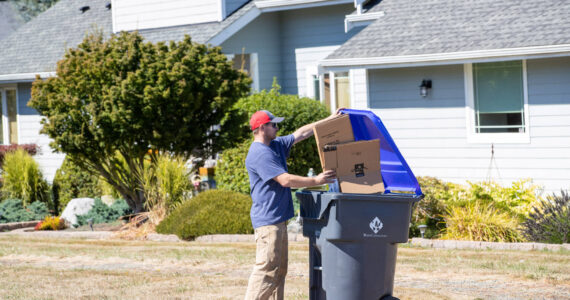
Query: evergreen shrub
(230, 171)
(211, 212)
(23, 179)
(12, 210)
(549, 220)
(102, 213)
(71, 182)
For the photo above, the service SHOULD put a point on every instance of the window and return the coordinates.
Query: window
(246, 62)
(9, 124)
(499, 97)
(496, 98)
(342, 90)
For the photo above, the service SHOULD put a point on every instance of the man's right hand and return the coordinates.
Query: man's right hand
(326, 177)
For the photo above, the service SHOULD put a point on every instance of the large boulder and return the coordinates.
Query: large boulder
(76, 207)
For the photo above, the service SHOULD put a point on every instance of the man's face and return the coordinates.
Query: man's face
(270, 130)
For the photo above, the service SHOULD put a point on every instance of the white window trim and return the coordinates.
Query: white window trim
(498, 138)
(332, 90)
(5, 121)
(311, 71)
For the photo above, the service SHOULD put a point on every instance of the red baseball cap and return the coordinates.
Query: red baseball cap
(263, 117)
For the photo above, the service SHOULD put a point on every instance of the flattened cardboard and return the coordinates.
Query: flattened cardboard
(358, 167)
(335, 131)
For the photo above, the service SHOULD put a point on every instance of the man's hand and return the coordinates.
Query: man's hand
(326, 177)
(295, 181)
(307, 130)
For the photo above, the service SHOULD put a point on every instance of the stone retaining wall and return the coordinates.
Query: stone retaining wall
(17, 225)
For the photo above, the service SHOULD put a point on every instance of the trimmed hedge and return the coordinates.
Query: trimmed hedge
(211, 212)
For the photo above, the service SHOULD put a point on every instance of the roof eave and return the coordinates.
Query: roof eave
(448, 58)
(24, 77)
(278, 5)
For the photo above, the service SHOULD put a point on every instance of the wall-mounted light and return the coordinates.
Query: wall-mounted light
(425, 87)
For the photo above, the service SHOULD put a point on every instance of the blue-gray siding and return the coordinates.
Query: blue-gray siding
(276, 37)
(432, 132)
(233, 5)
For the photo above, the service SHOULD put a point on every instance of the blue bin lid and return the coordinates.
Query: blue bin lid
(396, 173)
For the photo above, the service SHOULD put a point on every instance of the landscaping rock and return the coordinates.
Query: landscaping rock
(76, 207)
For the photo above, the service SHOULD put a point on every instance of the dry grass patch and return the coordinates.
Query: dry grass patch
(46, 268)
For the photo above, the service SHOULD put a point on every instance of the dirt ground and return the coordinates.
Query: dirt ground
(42, 268)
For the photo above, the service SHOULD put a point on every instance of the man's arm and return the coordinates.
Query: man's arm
(307, 130)
(295, 181)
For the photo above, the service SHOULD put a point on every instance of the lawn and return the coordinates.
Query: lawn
(47, 268)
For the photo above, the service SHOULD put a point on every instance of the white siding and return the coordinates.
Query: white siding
(143, 14)
(29, 124)
(431, 132)
(308, 57)
(359, 88)
(305, 30)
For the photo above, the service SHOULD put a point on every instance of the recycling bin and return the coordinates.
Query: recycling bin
(352, 242)
(353, 237)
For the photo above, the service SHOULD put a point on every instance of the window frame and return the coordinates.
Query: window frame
(253, 65)
(5, 119)
(499, 138)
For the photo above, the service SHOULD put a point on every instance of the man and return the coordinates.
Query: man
(272, 205)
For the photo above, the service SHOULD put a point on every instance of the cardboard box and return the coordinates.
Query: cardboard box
(358, 167)
(335, 131)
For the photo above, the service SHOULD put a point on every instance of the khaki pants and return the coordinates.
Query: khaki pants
(267, 281)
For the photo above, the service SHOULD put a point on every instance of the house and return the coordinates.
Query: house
(494, 100)
(270, 38)
(469, 90)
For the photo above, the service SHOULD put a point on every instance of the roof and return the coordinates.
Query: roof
(411, 27)
(38, 45)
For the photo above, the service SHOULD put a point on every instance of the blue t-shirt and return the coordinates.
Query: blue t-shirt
(272, 203)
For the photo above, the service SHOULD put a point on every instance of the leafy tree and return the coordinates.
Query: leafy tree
(28, 9)
(114, 100)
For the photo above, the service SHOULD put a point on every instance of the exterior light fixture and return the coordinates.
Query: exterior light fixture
(422, 229)
(425, 87)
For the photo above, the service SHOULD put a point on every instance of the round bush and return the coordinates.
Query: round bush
(211, 212)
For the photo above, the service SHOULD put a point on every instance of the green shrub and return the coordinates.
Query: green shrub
(23, 178)
(477, 222)
(71, 182)
(231, 173)
(430, 210)
(297, 112)
(549, 220)
(443, 198)
(211, 212)
(12, 210)
(102, 213)
(167, 182)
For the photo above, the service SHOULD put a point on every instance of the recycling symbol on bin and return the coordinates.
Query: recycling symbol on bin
(376, 225)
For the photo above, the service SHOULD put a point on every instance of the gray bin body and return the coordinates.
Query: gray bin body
(352, 251)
